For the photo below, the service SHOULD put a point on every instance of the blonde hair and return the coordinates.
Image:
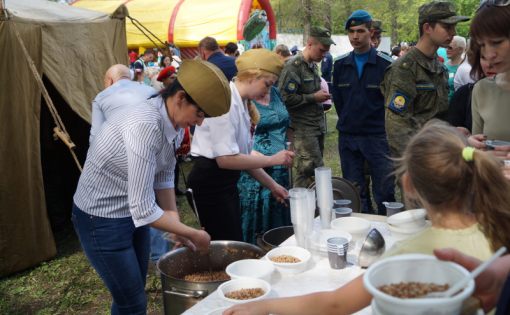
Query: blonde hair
(253, 74)
(442, 177)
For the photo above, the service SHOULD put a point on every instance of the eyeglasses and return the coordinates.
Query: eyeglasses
(494, 3)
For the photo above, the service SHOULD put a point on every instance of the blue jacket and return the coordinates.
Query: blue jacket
(226, 64)
(358, 101)
(327, 67)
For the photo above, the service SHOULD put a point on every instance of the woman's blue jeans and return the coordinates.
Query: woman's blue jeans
(119, 253)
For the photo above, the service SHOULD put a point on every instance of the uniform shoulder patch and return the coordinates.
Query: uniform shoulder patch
(399, 102)
(291, 86)
(384, 56)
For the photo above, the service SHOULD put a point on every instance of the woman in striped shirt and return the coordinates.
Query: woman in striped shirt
(127, 182)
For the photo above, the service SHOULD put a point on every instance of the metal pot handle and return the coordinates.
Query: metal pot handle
(196, 294)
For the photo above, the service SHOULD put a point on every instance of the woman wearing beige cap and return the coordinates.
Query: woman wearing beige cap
(222, 146)
(127, 182)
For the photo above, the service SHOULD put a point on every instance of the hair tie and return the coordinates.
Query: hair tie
(467, 153)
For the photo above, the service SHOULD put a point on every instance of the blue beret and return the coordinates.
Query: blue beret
(358, 17)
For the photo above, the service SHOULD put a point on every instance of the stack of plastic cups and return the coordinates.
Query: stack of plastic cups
(337, 252)
(299, 215)
(324, 191)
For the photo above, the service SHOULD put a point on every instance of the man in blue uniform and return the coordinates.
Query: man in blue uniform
(360, 108)
(209, 50)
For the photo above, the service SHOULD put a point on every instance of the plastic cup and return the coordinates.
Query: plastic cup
(337, 252)
(393, 208)
(342, 212)
(343, 203)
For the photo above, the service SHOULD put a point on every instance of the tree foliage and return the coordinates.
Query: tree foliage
(400, 17)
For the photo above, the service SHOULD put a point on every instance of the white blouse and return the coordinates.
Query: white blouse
(228, 134)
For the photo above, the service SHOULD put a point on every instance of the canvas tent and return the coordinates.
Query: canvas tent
(185, 22)
(71, 48)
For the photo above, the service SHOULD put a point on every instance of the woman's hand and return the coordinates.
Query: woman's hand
(279, 192)
(284, 157)
(477, 141)
(199, 240)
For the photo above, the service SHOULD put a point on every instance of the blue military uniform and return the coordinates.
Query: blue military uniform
(359, 104)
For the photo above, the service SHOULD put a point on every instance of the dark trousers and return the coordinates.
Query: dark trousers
(217, 199)
(354, 151)
(119, 253)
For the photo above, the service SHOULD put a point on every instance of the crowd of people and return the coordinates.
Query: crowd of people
(248, 119)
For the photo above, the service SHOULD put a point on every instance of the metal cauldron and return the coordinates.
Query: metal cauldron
(179, 294)
(274, 237)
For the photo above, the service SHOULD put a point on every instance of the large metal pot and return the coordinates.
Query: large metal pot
(179, 294)
(274, 237)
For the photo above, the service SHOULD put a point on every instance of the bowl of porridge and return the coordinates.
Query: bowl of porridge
(289, 259)
(399, 285)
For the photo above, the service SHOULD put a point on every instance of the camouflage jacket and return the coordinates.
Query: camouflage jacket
(298, 82)
(415, 89)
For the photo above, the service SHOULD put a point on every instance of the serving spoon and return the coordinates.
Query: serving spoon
(463, 282)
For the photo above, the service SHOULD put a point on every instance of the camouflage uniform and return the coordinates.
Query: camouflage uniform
(298, 82)
(415, 88)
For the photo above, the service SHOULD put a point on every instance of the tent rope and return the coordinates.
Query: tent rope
(139, 26)
(60, 131)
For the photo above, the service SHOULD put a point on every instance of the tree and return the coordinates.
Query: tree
(399, 17)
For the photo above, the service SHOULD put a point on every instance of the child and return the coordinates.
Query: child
(465, 194)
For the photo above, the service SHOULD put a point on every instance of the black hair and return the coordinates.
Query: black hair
(175, 87)
(231, 48)
(172, 89)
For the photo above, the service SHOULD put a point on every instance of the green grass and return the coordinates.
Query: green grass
(69, 285)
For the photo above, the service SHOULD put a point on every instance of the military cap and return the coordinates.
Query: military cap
(439, 11)
(323, 35)
(358, 17)
(261, 59)
(165, 73)
(377, 26)
(207, 86)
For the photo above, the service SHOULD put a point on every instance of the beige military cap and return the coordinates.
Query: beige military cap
(206, 85)
(262, 59)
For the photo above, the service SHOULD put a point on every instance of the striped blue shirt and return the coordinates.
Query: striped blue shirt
(132, 155)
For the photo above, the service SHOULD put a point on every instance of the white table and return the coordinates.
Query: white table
(318, 276)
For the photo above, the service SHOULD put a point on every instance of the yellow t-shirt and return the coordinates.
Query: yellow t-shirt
(469, 241)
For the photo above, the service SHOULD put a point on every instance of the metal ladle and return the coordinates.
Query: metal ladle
(373, 247)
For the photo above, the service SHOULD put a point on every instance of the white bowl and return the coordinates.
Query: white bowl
(358, 227)
(250, 268)
(290, 268)
(408, 219)
(416, 268)
(407, 231)
(243, 283)
(218, 311)
(319, 239)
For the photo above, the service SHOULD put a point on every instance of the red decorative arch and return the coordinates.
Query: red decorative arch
(171, 24)
(244, 14)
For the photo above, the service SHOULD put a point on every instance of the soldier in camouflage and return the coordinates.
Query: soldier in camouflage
(300, 87)
(415, 87)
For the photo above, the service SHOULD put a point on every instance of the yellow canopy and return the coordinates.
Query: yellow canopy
(184, 22)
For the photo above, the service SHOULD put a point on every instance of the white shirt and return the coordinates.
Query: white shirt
(132, 155)
(462, 76)
(228, 134)
(115, 98)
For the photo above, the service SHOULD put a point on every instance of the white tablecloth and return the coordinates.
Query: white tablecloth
(318, 276)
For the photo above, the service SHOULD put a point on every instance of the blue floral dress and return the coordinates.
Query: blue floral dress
(260, 211)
